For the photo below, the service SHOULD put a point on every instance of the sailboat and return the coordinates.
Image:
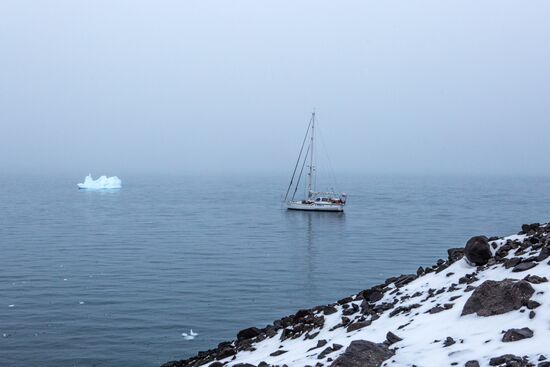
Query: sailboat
(315, 200)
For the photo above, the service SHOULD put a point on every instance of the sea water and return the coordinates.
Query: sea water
(114, 278)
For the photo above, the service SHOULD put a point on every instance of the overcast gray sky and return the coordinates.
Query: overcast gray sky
(184, 86)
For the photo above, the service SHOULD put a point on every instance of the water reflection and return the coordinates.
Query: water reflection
(315, 230)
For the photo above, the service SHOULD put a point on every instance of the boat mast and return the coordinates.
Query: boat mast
(311, 168)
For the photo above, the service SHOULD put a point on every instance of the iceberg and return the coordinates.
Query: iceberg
(103, 182)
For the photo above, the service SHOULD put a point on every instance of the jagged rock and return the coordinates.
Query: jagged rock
(524, 266)
(513, 335)
(357, 325)
(325, 352)
(510, 263)
(455, 254)
(498, 297)
(301, 314)
(248, 333)
(392, 338)
(535, 279)
(477, 250)
(278, 352)
(373, 294)
(243, 365)
(350, 310)
(448, 342)
(532, 304)
(362, 353)
(216, 364)
(404, 280)
(329, 310)
(320, 343)
(343, 301)
(472, 364)
(506, 358)
(404, 309)
(510, 360)
(543, 254)
(225, 352)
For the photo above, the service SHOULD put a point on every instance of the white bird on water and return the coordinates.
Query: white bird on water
(189, 336)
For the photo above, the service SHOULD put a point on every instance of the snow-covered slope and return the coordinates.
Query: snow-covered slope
(452, 314)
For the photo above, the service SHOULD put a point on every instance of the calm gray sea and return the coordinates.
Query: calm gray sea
(114, 278)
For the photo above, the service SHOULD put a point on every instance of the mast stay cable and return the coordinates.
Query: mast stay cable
(298, 160)
(301, 171)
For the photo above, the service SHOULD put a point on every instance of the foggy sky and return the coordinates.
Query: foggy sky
(228, 86)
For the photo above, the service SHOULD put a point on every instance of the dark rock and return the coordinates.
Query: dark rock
(510, 263)
(448, 342)
(392, 338)
(249, 333)
(320, 343)
(420, 271)
(455, 254)
(507, 358)
(301, 314)
(535, 279)
(362, 353)
(532, 314)
(532, 304)
(374, 294)
(243, 365)
(329, 310)
(343, 301)
(513, 335)
(477, 250)
(278, 352)
(404, 280)
(403, 309)
(325, 352)
(435, 309)
(358, 325)
(216, 364)
(543, 254)
(350, 310)
(225, 352)
(524, 266)
(498, 297)
(472, 364)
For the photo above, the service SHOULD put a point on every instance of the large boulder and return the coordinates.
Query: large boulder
(362, 353)
(249, 333)
(498, 297)
(477, 250)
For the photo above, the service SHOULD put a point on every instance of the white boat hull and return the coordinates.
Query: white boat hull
(315, 207)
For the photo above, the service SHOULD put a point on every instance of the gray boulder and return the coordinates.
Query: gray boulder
(513, 335)
(498, 297)
(362, 353)
(477, 250)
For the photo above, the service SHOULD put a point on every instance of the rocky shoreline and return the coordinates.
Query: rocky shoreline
(487, 304)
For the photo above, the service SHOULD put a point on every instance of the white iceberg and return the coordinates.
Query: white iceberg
(189, 336)
(103, 182)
